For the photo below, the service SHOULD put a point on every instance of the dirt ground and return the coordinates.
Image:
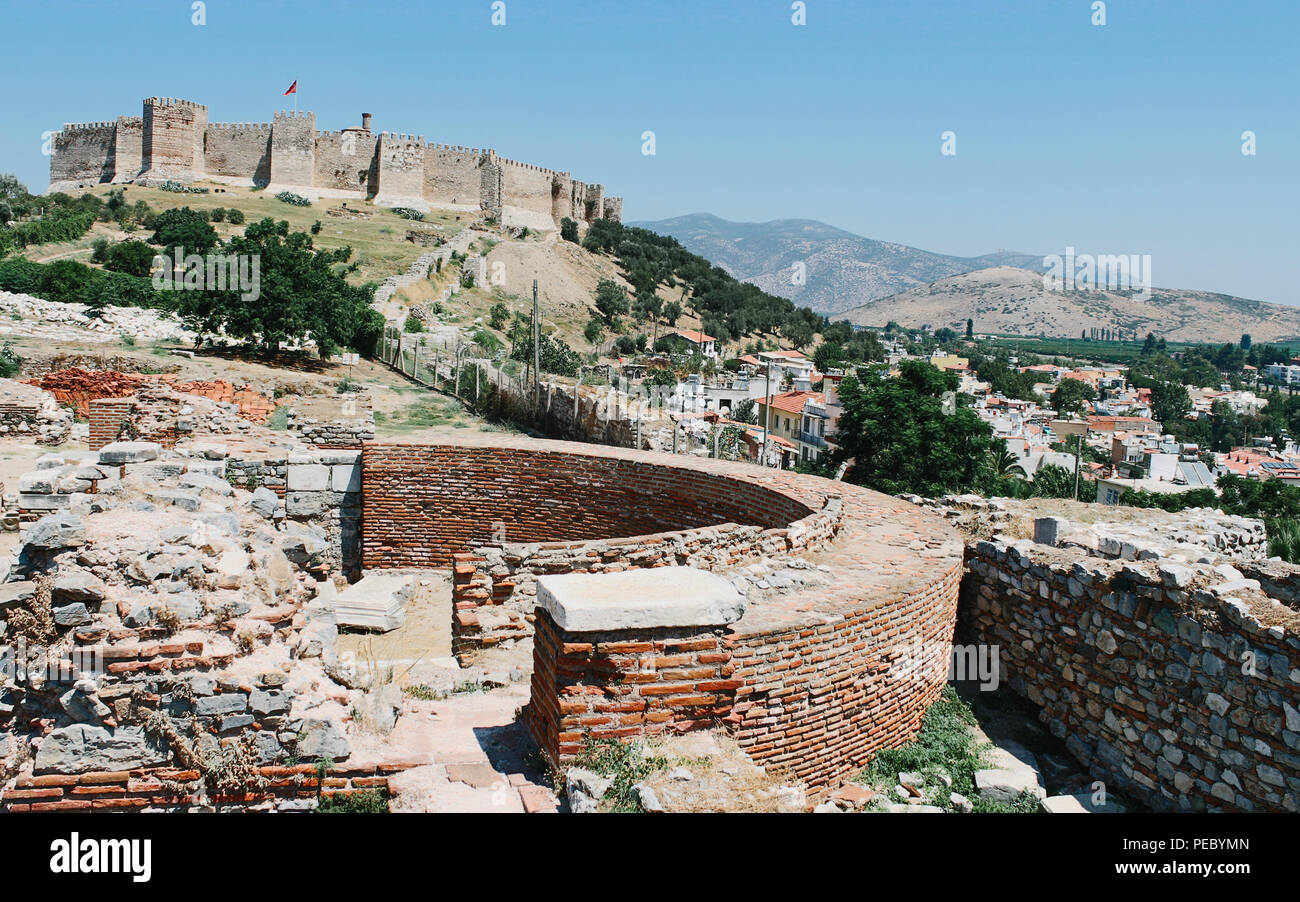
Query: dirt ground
(426, 634)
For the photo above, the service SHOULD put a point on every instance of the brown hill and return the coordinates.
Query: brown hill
(1010, 301)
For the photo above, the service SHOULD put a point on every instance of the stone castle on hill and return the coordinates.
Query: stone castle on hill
(174, 141)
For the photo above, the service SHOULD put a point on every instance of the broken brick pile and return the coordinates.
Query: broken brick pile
(77, 387)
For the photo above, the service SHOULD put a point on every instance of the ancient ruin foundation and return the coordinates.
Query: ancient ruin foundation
(811, 681)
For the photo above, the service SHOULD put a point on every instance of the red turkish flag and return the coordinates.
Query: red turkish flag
(293, 88)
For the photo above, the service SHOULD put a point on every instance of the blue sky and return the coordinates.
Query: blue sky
(1123, 138)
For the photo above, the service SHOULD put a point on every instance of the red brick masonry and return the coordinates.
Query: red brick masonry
(813, 682)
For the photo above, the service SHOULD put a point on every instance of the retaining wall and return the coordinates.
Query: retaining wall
(1168, 687)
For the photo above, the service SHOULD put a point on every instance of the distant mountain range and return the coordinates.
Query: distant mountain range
(842, 270)
(1008, 301)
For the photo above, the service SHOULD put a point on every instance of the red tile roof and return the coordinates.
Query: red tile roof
(793, 401)
(694, 335)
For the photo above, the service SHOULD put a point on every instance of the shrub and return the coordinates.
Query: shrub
(99, 250)
(218, 214)
(10, 362)
(315, 227)
(413, 324)
(234, 216)
(279, 419)
(178, 188)
(408, 213)
(569, 230)
(133, 257)
(625, 763)
(184, 228)
(367, 801)
(296, 200)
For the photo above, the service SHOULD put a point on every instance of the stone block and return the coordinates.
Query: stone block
(639, 599)
(1080, 803)
(1049, 530)
(129, 452)
(308, 478)
(346, 478)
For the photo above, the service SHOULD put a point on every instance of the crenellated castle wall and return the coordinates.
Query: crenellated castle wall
(173, 141)
(83, 153)
(344, 160)
(238, 150)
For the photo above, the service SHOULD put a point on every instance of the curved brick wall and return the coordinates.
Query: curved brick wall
(425, 503)
(812, 682)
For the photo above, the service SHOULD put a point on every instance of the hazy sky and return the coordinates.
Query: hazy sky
(1122, 138)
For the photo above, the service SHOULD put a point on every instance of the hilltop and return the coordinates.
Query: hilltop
(1005, 300)
(843, 270)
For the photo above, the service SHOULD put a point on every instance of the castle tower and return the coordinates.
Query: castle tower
(172, 139)
(128, 149)
(293, 151)
(401, 172)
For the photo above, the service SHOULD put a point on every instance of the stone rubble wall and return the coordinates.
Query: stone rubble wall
(320, 489)
(171, 789)
(32, 413)
(1177, 685)
(77, 387)
(185, 622)
(341, 432)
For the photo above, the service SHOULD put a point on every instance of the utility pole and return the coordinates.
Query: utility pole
(767, 413)
(537, 353)
(1078, 446)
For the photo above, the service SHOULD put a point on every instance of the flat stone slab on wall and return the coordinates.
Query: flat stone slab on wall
(639, 599)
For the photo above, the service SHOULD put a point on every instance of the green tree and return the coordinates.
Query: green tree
(829, 355)
(611, 301)
(498, 316)
(1004, 463)
(133, 257)
(594, 331)
(899, 438)
(746, 411)
(1053, 481)
(1070, 396)
(569, 230)
(1169, 402)
(186, 229)
(302, 296)
(10, 187)
(672, 312)
(970, 330)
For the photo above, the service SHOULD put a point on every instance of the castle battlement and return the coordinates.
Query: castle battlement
(173, 140)
(174, 102)
(240, 126)
(88, 126)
